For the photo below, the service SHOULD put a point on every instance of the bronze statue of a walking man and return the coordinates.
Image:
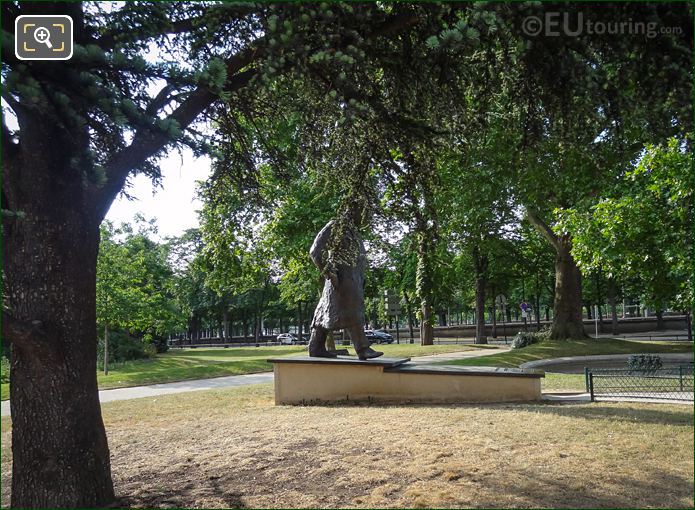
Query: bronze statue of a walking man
(342, 262)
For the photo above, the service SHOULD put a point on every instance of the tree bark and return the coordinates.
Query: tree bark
(660, 325)
(426, 328)
(424, 288)
(567, 306)
(60, 453)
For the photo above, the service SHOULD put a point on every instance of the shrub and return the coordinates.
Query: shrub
(524, 338)
(149, 350)
(123, 347)
(4, 370)
(646, 362)
(160, 343)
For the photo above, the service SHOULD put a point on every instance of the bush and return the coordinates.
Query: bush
(524, 338)
(646, 362)
(149, 350)
(123, 347)
(160, 344)
(4, 370)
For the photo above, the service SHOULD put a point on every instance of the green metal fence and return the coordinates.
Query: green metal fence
(671, 383)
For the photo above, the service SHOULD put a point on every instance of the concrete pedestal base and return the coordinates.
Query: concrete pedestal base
(301, 379)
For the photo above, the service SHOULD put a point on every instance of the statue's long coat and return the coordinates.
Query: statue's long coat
(342, 307)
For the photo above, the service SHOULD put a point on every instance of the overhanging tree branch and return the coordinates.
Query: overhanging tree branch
(111, 38)
(148, 142)
(542, 227)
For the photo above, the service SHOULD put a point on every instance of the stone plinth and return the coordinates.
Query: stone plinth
(301, 379)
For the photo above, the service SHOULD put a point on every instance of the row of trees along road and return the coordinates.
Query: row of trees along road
(369, 102)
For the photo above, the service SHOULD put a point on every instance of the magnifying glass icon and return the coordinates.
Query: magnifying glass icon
(43, 36)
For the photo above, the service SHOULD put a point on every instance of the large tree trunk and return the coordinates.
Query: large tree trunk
(481, 264)
(660, 324)
(60, 454)
(424, 287)
(426, 328)
(567, 307)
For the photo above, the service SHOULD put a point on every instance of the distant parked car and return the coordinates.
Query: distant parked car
(378, 336)
(288, 339)
(383, 337)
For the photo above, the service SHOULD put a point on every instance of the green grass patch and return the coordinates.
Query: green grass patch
(563, 382)
(561, 348)
(186, 364)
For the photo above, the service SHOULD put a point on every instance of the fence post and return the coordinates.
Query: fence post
(591, 385)
(586, 378)
(680, 376)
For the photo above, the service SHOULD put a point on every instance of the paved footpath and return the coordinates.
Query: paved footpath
(240, 380)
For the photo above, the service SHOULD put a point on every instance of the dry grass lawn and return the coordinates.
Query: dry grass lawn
(234, 448)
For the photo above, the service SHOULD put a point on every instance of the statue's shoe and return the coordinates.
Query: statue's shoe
(369, 353)
(322, 353)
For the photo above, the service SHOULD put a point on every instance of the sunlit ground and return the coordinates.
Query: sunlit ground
(234, 448)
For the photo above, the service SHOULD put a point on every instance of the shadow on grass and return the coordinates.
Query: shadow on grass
(655, 489)
(520, 485)
(182, 496)
(598, 411)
